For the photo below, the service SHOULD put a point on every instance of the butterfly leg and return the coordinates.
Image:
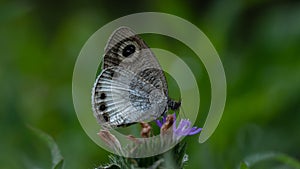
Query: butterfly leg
(146, 130)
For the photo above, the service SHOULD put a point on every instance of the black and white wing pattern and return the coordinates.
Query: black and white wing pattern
(121, 98)
(131, 87)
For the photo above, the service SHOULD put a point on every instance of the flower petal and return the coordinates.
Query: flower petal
(158, 122)
(195, 130)
(186, 128)
(164, 119)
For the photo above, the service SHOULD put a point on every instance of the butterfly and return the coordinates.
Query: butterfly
(131, 87)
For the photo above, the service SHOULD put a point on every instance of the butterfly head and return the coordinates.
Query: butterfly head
(174, 105)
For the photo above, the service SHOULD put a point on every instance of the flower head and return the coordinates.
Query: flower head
(184, 127)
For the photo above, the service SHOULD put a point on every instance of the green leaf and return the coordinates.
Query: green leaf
(57, 159)
(243, 165)
(261, 157)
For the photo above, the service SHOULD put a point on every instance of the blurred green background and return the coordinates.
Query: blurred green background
(258, 42)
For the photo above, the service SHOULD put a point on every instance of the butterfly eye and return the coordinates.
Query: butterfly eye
(128, 50)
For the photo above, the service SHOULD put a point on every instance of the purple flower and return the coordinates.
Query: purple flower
(160, 123)
(184, 128)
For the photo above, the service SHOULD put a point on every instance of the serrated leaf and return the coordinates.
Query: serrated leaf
(57, 158)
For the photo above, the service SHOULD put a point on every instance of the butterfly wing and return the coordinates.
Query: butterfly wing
(117, 103)
(132, 82)
(127, 50)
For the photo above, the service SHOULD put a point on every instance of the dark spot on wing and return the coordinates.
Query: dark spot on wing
(105, 117)
(128, 50)
(102, 107)
(102, 96)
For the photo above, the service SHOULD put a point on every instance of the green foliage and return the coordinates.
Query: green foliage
(175, 158)
(252, 160)
(57, 159)
(258, 42)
